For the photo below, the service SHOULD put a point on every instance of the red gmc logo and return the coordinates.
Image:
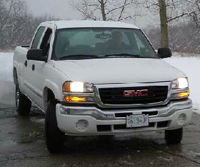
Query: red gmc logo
(135, 93)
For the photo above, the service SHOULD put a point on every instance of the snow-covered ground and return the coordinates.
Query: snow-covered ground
(7, 88)
(189, 65)
(6, 62)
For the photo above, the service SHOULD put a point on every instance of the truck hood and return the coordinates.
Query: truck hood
(118, 70)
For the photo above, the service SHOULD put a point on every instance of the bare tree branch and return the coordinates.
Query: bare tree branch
(177, 17)
(107, 9)
(122, 10)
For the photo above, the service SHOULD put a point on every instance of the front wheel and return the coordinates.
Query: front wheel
(54, 137)
(23, 104)
(174, 136)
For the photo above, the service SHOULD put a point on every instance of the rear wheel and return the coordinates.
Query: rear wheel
(174, 136)
(54, 137)
(23, 104)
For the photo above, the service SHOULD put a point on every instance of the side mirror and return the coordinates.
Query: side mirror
(36, 54)
(164, 53)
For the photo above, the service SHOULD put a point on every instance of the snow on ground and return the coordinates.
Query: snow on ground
(189, 65)
(7, 88)
(6, 62)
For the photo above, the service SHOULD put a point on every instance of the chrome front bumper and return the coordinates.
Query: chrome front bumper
(85, 121)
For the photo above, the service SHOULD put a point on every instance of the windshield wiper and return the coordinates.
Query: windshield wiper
(124, 55)
(79, 57)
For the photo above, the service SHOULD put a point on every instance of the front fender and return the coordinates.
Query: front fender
(54, 88)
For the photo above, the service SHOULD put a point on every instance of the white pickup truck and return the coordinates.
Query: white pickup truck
(99, 78)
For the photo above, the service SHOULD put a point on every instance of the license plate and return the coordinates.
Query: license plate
(137, 121)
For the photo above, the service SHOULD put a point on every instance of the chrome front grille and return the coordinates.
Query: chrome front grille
(115, 95)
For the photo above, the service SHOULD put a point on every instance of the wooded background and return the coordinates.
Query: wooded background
(179, 20)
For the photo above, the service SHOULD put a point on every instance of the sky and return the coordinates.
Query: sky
(61, 9)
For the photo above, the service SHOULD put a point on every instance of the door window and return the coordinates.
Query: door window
(37, 38)
(45, 45)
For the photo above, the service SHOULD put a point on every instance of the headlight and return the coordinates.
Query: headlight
(180, 89)
(78, 87)
(180, 83)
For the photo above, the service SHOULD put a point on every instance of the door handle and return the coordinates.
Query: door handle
(26, 63)
(33, 67)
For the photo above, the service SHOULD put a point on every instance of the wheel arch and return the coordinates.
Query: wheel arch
(49, 93)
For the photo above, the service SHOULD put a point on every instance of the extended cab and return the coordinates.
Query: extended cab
(100, 78)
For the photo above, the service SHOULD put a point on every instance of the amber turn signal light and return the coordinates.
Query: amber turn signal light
(74, 99)
(184, 94)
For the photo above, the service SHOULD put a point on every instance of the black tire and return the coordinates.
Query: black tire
(174, 136)
(23, 104)
(54, 137)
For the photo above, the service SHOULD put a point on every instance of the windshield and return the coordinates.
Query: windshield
(102, 43)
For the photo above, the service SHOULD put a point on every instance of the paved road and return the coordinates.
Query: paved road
(22, 144)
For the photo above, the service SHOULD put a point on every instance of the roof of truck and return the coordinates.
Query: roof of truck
(89, 23)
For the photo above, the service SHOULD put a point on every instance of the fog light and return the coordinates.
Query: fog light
(82, 125)
(65, 111)
(181, 119)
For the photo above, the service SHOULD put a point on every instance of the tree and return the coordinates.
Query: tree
(17, 25)
(163, 23)
(12, 15)
(184, 37)
(169, 11)
(194, 7)
(107, 9)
